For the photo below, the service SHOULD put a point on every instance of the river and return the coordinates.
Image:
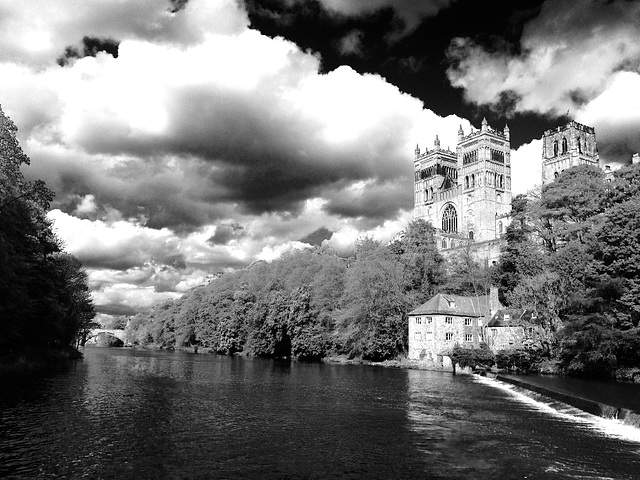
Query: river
(138, 414)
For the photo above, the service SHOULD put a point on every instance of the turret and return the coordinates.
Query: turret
(460, 133)
(436, 143)
(485, 125)
(506, 131)
(417, 151)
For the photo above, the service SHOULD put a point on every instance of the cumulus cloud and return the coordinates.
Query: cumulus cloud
(571, 55)
(203, 145)
(38, 31)
(526, 167)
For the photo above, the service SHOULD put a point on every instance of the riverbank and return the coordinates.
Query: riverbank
(36, 361)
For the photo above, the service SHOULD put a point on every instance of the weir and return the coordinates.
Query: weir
(625, 415)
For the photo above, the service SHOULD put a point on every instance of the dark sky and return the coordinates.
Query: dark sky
(413, 59)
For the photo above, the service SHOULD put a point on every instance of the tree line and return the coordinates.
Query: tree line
(313, 303)
(571, 257)
(45, 301)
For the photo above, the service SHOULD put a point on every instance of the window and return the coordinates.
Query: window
(448, 336)
(466, 182)
(448, 320)
(418, 321)
(471, 235)
(429, 320)
(450, 219)
(555, 148)
(564, 145)
(467, 322)
(468, 337)
(444, 243)
(417, 336)
(499, 227)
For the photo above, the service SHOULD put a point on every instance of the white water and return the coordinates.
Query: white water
(608, 426)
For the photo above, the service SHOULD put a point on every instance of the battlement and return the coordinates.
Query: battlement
(568, 126)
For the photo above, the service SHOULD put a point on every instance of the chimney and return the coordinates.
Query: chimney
(494, 303)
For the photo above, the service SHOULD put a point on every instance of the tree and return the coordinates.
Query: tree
(44, 297)
(569, 204)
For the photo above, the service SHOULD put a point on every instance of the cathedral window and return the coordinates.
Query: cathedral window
(555, 148)
(471, 235)
(564, 145)
(466, 182)
(444, 243)
(579, 145)
(500, 227)
(450, 219)
(473, 180)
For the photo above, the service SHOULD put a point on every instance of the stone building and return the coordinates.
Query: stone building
(506, 331)
(446, 321)
(568, 146)
(466, 194)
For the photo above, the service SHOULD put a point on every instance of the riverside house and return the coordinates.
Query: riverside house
(446, 321)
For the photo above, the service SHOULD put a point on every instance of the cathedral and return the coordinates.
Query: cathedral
(466, 194)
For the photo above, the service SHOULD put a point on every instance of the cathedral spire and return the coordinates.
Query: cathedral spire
(436, 143)
(485, 125)
(417, 150)
(506, 130)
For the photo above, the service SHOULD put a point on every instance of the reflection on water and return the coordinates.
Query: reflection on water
(141, 414)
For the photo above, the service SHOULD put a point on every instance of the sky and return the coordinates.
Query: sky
(189, 137)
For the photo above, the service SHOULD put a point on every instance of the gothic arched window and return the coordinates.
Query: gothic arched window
(500, 227)
(444, 243)
(466, 182)
(564, 145)
(579, 145)
(470, 234)
(555, 148)
(450, 219)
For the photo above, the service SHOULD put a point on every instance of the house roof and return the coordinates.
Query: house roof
(511, 318)
(444, 303)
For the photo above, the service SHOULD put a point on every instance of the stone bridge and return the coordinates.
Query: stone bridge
(97, 333)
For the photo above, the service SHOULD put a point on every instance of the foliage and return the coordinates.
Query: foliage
(44, 297)
(473, 357)
(572, 258)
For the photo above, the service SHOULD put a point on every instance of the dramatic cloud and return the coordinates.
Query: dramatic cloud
(572, 54)
(37, 31)
(200, 145)
(409, 11)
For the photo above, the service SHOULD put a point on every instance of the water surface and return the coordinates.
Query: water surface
(123, 413)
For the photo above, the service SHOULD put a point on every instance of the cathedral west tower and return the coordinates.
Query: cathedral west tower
(466, 194)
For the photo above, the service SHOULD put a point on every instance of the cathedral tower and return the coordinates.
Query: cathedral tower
(435, 170)
(484, 173)
(466, 194)
(567, 146)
